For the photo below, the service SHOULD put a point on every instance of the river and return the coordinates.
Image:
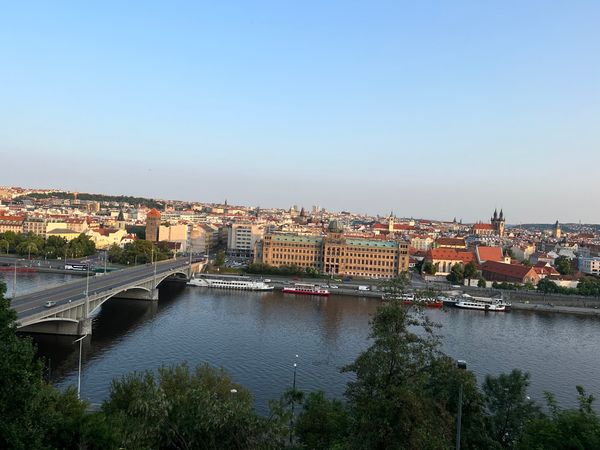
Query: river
(255, 337)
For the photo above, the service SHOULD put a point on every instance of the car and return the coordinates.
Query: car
(267, 280)
(49, 304)
(333, 286)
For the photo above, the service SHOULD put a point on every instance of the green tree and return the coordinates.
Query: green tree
(563, 265)
(457, 274)
(509, 407)
(82, 245)
(395, 287)
(179, 408)
(323, 423)
(220, 259)
(470, 271)
(563, 429)
(547, 286)
(33, 414)
(481, 283)
(115, 254)
(429, 268)
(387, 402)
(55, 246)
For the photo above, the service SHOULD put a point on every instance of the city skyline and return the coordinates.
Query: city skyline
(437, 110)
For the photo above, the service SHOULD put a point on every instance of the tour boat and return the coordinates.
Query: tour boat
(239, 284)
(305, 289)
(482, 305)
(409, 299)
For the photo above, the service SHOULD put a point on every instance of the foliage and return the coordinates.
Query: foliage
(387, 401)
(563, 429)
(429, 268)
(150, 203)
(470, 271)
(588, 286)
(29, 244)
(138, 252)
(396, 286)
(563, 265)
(457, 274)
(508, 406)
(481, 283)
(82, 245)
(220, 259)
(506, 286)
(323, 423)
(180, 408)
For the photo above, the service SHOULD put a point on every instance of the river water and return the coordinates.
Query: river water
(255, 337)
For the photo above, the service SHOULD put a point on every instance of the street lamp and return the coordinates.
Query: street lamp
(80, 340)
(461, 364)
(293, 395)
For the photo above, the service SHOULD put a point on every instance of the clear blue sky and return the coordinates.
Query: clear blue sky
(432, 109)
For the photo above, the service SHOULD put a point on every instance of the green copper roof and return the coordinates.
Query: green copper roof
(372, 243)
(296, 238)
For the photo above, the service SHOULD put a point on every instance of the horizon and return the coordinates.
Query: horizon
(427, 109)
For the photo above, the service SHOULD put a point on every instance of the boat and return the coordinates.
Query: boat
(482, 304)
(305, 289)
(409, 299)
(448, 301)
(230, 283)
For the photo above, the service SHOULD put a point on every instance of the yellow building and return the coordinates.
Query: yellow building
(336, 254)
(69, 235)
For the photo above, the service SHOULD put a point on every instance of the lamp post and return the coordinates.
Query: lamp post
(15, 281)
(105, 259)
(461, 364)
(87, 291)
(80, 340)
(293, 395)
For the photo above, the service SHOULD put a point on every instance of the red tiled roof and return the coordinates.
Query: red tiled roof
(450, 254)
(450, 242)
(509, 270)
(153, 213)
(483, 226)
(489, 254)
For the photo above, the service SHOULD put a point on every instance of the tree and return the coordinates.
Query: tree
(180, 408)
(82, 245)
(387, 401)
(563, 429)
(470, 271)
(481, 283)
(508, 406)
(395, 287)
(55, 246)
(457, 274)
(33, 414)
(547, 286)
(115, 254)
(563, 265)
(220, 259)
(428, 268)
(323, 423)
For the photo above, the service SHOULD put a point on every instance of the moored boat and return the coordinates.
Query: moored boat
(305, 289)
(410, 299)
(243, 284)
(482, 305)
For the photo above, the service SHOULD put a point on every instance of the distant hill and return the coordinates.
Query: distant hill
(149, 202)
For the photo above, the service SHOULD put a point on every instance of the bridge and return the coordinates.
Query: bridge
(75, 301)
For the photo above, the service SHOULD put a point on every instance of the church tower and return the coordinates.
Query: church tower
(391, 222)
(557, 232)
(152, 225)
(498, 222)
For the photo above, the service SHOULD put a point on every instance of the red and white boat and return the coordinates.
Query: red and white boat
(305, 289)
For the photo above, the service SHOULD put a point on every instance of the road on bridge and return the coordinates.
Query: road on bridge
(34, 302)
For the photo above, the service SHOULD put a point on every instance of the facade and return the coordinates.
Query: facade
(458, 243)
(511, 273)
(444, 258)
(174, 233)
(152, 225)
(336, 254)
(557, 232)
(590, 266)
(35, 225)
(11, 223)
(65, 233)
(242, 238)
(495, 227)
(422, 243)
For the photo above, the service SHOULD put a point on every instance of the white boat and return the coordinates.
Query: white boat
(482, 304)
(224, 283)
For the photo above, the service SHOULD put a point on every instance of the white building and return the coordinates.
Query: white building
(590, 266)
(241, 239)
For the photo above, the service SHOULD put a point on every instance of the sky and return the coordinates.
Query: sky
(430, 109)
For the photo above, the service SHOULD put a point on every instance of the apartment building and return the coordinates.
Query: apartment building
(242, 238)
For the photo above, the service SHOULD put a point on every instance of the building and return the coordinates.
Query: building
(589, 265)
(242, 239)
(174, 233)
(11, 223)
(152, 225)
(336, 254)
(484, 254)
(444, 258)
(510, 273)
(557, 232)
(495, 227)
(421, 242)
(458, 243)
(65, 233)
